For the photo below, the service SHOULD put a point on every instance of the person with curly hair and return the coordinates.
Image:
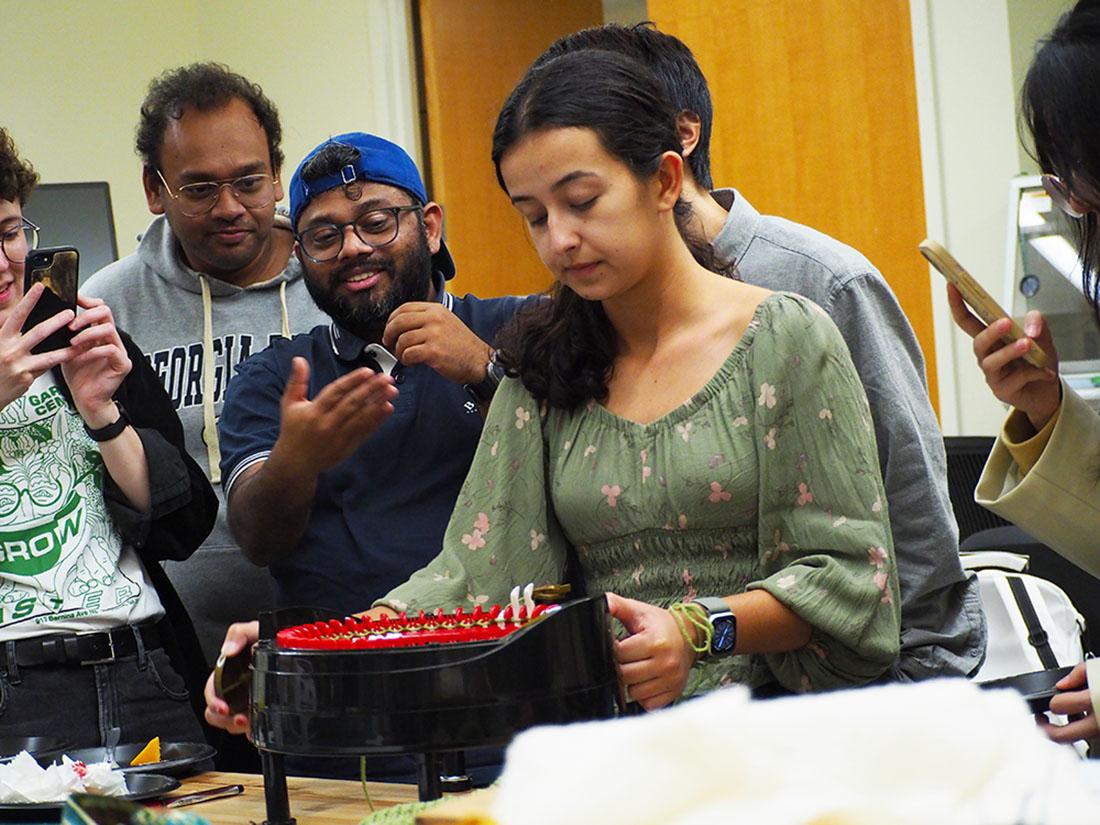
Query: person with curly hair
(96, 489)
(211, 283)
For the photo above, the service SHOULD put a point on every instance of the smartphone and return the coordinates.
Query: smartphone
(58, 270)
(1037, 688)
(232, 680)
(976, 297)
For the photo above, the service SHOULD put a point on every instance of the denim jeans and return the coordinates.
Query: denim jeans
(140, 694)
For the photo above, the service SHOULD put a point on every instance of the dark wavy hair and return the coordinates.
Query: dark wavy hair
(202, 86)
(17, 176)
(564, 349)
(672, 64)
(1060, 105)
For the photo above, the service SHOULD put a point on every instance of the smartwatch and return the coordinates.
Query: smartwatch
(483, 391)
(111, 430)
(722, 622)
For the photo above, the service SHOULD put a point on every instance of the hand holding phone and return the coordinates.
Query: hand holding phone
(58, 270)
(980, 301)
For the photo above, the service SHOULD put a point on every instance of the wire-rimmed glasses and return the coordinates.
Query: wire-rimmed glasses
(1061, 195)
(15, 243)
(196, 199)
(322, 242)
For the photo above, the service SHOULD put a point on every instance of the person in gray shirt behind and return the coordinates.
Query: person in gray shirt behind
(943, 629)
(211, 283)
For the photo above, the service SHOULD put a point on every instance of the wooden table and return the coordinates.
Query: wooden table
(312, 801)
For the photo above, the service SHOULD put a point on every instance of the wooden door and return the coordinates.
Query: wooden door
(474, 53)
(816, 120)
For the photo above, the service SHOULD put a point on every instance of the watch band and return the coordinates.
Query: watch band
(112, 430)
(483, 391)
(712, 604)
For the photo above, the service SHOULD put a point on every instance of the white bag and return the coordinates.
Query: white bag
(1032, 623)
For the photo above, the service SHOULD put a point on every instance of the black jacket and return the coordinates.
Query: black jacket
(182, 506)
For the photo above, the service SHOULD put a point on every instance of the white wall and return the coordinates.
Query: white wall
(75, 74)
(966, 97)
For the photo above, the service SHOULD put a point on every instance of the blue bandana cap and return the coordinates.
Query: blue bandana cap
(380, 161)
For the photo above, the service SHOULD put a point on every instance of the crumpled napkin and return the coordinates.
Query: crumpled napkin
(23, 780)
(941, 751)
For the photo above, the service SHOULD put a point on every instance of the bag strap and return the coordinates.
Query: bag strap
(1036, 636)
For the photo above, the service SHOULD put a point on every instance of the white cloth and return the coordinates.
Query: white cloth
(941, 751)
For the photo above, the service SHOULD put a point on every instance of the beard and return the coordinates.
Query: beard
(365, 315)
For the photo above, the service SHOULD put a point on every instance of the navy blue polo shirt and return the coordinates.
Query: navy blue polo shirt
(380, 515)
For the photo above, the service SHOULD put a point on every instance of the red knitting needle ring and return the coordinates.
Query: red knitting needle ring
(403, 631)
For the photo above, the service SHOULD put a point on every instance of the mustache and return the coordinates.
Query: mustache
(374, 261)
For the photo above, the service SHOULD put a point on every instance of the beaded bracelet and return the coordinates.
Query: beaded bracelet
(698, 617)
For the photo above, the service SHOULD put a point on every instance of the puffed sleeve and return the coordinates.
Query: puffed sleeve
(503, 531)
(824, 539)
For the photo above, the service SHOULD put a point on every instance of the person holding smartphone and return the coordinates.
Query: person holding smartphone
(95, 487)
(1044, 471)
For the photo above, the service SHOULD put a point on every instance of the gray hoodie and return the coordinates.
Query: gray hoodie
(159, 301)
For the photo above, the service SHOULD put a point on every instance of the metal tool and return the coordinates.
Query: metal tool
(220, 792)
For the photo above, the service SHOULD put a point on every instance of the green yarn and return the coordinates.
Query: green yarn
(404, 814)
(363, 780)
(698, 617)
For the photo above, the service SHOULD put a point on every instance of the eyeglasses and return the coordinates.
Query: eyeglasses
(323, 242)
(196, 199)
(1061, 195)
(15, 243)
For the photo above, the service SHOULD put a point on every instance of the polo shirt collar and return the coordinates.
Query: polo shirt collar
(349, 347)
(732, 241)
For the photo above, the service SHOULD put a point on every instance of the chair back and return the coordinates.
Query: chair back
(966, 457)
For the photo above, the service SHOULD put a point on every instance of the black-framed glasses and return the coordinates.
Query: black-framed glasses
(16, 243)
(1061, 195)
(196, 199)
(322, 242)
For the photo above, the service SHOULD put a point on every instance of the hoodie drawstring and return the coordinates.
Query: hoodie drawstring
(209, 420)
(209, 423)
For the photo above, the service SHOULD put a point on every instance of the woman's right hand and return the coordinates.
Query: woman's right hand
(1073, 701)
(18, 365)
(1034, 391)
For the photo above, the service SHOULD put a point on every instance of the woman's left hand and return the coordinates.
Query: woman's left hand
(100, 364)
(1073, 701)
(654, 661)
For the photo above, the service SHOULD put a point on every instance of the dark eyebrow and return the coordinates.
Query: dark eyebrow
(565, 180)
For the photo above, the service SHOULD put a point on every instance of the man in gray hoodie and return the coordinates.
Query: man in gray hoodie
(212, 282)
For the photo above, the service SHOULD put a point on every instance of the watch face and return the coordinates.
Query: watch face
(725, 634)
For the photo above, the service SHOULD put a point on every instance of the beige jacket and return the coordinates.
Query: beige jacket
(1058, 501)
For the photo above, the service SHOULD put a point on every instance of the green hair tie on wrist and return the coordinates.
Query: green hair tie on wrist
(697, 616)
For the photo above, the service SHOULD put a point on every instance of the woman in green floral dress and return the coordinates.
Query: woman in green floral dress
(686, 434)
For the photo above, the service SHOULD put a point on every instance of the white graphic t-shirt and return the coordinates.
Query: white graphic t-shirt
(63, 568)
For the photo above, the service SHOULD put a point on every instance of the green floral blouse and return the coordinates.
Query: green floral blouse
(767, 478)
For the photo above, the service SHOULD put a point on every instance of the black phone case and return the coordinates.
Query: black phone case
(1037, 688)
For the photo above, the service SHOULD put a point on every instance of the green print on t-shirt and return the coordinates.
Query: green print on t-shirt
(36, 549)
(59, 553)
